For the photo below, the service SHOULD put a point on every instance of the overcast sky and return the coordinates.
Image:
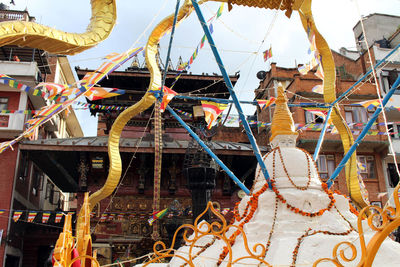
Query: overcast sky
(239, 34)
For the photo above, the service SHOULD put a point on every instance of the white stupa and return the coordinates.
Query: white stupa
(298, 222)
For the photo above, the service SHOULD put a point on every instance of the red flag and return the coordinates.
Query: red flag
(168, 95)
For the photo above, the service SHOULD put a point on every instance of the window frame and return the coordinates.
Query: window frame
(4, 101)
(325, 174)
(368, 159)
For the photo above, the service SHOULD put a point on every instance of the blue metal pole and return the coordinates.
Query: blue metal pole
(208, 150)
(366, 74)
(322, 135)
(169, 46)
(363, 133)
(228, 82)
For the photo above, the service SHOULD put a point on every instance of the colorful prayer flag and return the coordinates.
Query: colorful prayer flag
(111, 217)
(17, 215)
(2, 211)
(32, 216)
(319, 89)
(211, 111)
(53, 89)
(58, 218)
(120, 216)
(264, 103)
(225, 211)
(370, 104)
(103, 217)
(320, 72)
(45, 217)
(96, 93)
(267, 54)
(157, 215)
(220, 9)
(167, 97)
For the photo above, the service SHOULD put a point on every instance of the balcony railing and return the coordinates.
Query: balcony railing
(12, 122)
(6, 15)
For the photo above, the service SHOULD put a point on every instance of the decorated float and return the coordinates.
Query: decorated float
(289, 218)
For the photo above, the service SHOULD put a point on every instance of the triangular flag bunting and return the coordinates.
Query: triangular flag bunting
(319, 89)
(103, 217)
(45, 217)
(17, 215)
(264, 103)
(32, 216)
(59, 216)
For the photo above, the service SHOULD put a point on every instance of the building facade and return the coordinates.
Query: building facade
(383, 37)
(25, 187)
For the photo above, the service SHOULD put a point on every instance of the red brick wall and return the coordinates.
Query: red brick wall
(13, 99)
(7, 167)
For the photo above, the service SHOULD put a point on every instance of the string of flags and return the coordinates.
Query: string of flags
(113, 62)
(60, 92)
(186, 65)
(35, 215)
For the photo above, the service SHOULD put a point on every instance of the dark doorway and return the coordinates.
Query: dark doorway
(12, 261)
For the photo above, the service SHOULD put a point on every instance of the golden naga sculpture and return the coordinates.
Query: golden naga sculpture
(31, 34)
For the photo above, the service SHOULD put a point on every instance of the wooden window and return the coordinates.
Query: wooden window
(312, 118)
(37, 181)
(3, 103)
(358, 115)
(392, 175)
(326, 165)
(23, 168)
(367, 167)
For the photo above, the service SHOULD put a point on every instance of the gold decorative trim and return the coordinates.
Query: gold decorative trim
(217, 229)
(382, 221)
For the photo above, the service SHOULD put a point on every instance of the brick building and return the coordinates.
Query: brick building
(299, 90)
(24, 186)
(382, 33)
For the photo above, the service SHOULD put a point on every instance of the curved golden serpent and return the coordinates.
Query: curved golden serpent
(147, 100)
(31, 34)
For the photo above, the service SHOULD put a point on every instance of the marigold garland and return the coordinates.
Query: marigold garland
(287, 173)
(252, 204)
(292, 208)
(295, 252)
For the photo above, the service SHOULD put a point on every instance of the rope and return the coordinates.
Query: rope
(379, 96)
(126, 171)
